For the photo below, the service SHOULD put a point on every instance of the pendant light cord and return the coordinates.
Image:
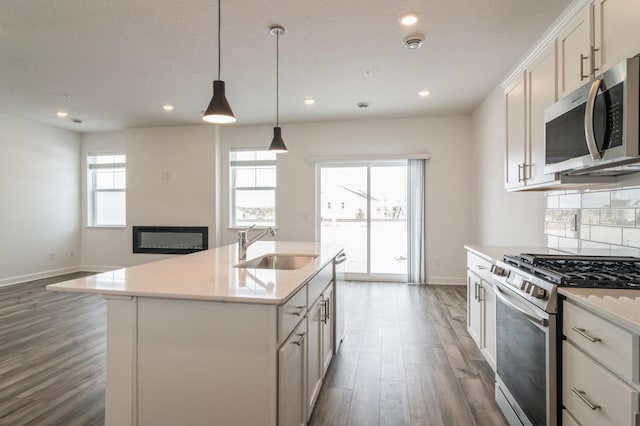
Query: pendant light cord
(277, 78)
(218, 39)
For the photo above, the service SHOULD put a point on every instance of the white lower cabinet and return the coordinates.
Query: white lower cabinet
(481, 307)
(599, 370)
(292, 378)
(320, 344)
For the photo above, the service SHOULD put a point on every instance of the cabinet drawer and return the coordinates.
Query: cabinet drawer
(290, 314)
(613, 346)
(318, 283)
(586, 382)
(477, 264)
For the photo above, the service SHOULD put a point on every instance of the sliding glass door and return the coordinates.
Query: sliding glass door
(363, 207)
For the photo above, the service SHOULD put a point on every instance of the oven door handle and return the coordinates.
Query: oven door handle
(588, 121)
(536, 320)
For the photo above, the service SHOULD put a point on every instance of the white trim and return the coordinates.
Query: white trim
(367, 158)
(38, 275)
(446, 280)
(547, 37)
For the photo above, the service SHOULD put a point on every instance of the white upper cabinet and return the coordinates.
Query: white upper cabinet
(574, 47)
(525, 101)
(616, 31)
(604, 33)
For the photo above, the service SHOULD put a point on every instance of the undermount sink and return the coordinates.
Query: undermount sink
(278, 261)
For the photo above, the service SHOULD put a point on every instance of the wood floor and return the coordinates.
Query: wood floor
(407, 360)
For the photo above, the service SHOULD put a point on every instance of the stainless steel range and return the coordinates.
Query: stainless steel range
(528, 325)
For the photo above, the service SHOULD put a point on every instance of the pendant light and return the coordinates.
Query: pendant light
(277, 144)
(219, 111)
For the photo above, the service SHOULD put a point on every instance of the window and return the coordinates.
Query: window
(253, 187)
(106, 183)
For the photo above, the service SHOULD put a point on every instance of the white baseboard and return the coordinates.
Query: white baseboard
(38, 275)
(447, 280)
(99, 268)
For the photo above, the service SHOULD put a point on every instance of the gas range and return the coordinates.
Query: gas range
(536, 277)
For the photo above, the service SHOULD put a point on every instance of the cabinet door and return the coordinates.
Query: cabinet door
(574, 52)
(474, 311)
(314, 366)
(542, 92)
(489, 323)
(616, 31)
(514, 96)
(292, 369)
(327, 328)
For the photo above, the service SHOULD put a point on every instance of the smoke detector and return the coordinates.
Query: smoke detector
(413, 42)
(363, 105)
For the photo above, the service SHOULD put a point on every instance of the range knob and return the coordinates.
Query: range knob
(496, 270)
(525, 286)
(538, 292)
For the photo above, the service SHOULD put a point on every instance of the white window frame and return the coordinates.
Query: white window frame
(233, 188)
(92, 199)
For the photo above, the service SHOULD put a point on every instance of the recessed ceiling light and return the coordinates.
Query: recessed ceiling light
(424, 93)
(62, 114)
(167, 107)
(368, 74)
(409, 19)
(309, 101)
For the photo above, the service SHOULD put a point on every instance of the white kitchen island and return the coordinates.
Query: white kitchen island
(194, 340)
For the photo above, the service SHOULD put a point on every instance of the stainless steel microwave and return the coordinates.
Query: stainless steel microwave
(595, 128)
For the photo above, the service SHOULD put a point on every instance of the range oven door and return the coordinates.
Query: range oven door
(526, 361)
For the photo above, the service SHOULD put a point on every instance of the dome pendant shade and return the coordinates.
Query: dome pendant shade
(219, 111)
(277, 144)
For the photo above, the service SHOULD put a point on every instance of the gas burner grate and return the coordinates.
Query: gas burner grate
(581, 271)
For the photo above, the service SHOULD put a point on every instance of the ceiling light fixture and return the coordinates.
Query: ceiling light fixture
(424, 93)
(277, 144)
(309, 101)
(409, 19)
(62, 114)
(167, 107)
(219, 111)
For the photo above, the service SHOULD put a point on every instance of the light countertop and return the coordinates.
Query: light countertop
(619, 306)
(493, 253)
(210, 275)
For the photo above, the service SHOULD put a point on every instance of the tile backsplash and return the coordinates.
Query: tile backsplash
(594, 221)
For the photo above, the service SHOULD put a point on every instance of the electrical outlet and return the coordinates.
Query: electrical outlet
(52, 256)
(436, 260)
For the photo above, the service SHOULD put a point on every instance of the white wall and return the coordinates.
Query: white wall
(449, 188)
(103, 248)
(499, 217)
(39, 199)
(170, 180)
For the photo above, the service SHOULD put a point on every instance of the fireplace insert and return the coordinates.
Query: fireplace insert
(170, 239)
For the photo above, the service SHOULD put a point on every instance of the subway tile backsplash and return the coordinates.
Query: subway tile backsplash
(606, 222)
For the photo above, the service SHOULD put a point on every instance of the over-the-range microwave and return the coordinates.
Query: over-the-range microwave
(595, 128)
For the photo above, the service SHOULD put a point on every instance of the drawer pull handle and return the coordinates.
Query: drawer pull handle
(300, 340)
(583, 396)
(300, 311)
(583, 333)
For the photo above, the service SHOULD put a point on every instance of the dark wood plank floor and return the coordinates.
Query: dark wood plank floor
(52, 356)
(407, 359)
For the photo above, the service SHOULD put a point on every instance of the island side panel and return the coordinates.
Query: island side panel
(121, 361)
(202, 363)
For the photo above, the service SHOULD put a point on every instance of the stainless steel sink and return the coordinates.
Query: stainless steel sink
(278, 261)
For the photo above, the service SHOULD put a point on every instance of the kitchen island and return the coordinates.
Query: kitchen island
(197, 340)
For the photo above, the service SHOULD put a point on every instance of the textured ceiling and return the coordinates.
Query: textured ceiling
(120, 60)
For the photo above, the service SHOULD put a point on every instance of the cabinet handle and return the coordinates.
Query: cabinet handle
(583, 396)
(475, 291)
(582, 58)
(300, 340)
(327, 312)
(520, 168)
(480, 292)
(593, 59)
(300, 311)
(583, 333)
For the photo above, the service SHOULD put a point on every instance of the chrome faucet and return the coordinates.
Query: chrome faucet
(244, 242)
